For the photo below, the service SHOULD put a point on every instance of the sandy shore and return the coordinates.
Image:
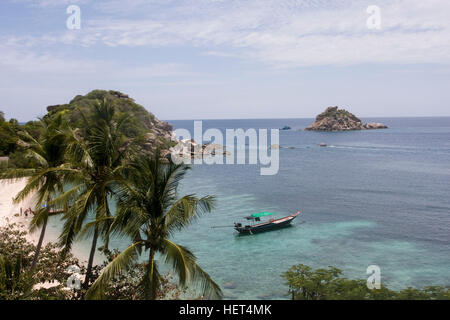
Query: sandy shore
(10, 211)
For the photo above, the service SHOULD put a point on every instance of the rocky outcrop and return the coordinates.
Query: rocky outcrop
(335, 119)
(374, 125)
(188, 148)
(52, 108)
(119, 95)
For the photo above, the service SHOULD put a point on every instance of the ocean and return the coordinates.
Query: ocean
(374, 197)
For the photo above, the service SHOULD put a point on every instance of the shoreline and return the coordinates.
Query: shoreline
(10, 211)
(10, 214)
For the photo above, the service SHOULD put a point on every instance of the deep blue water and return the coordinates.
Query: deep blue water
(377, 197)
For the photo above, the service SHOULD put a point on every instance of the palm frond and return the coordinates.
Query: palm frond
(65, 199)
(186, 210)
(181, 259)
(210, 289)
(128, 221)
(113, 269)
(39, 158)
(40, 216)
(173, 174)
(25, 135)
(88, 227)
(16, 174)
(184, 263)
(68, 233)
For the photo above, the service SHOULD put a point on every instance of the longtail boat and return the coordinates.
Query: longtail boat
(272, 224)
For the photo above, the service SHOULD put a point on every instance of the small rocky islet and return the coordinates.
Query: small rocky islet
(335, 119)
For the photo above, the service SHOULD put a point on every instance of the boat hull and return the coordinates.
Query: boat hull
(267, 226)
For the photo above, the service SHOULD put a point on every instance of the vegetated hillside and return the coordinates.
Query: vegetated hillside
(140, 120)
(140, 123)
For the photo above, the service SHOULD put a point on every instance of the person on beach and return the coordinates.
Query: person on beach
(30, 211)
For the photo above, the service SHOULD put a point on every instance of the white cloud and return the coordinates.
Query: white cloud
(56, 65)
(50, 3)
(280, 33)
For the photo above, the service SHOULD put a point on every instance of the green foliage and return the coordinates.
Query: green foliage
(44, 179)
(17, 252)
(139, 123)
(336, 113)
(140, 120)
(95, 145)
(94, 155)
(149, 211)
(15, 282)
(18, 160)
(127, 285)
(34, 128)
(327, 284)
(8, 137)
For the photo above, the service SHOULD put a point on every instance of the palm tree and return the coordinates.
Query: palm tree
(45, 178)
(96, 153)
(149, 212)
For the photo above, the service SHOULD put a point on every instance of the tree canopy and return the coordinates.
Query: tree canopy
(306, 283)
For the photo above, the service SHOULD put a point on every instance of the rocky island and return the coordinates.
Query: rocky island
(335, 119)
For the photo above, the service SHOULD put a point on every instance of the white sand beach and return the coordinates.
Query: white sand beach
(10, 212)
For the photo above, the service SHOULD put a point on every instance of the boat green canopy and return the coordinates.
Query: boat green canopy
(262, 214)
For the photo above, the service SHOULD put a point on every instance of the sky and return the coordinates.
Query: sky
(229, 59)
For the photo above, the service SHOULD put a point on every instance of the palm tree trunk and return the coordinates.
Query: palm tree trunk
(39, 245)
(91, 259)
(150, 291)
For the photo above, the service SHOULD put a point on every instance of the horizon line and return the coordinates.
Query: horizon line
(281, 118)
(381, 117)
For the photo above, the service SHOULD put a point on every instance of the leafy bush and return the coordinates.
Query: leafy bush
(16, 282)
(326, 284)
(52, 267)
(127, 286)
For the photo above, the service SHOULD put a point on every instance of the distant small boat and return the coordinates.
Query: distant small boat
(322, 144)
(286, 128)
(56, 211)
(272, 224)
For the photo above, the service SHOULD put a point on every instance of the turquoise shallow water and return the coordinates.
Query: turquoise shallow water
(372, 197)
